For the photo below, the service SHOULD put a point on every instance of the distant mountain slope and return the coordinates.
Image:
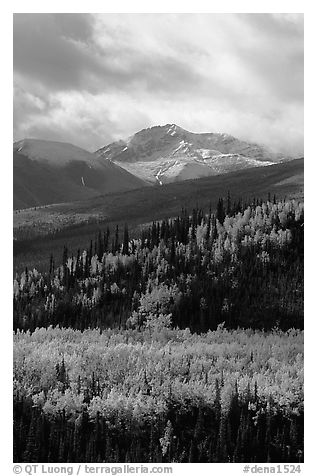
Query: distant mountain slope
(52, 152)
(165, 154)
(141, 206)
(47, 172)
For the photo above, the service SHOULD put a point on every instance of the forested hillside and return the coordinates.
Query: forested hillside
(151, 373)
(242, 266)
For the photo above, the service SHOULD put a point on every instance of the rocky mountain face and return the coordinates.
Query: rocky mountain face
(46, 172)
(164, 154)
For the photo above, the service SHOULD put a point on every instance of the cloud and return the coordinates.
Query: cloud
(90, 79)
(59, 51)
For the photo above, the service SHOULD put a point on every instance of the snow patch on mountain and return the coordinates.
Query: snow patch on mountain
(182, 145)
(205, 153)
(157, 176)
(171, 130)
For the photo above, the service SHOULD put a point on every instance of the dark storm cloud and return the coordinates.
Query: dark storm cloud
(77, 27)
(47, 51)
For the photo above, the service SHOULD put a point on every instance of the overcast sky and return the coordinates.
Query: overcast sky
(91, 79)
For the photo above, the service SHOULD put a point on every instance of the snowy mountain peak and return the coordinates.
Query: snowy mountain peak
(162, 154)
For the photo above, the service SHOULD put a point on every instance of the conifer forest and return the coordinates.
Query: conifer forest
(181, 344)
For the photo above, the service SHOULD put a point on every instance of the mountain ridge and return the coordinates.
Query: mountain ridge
(47, 172)
(169, 153)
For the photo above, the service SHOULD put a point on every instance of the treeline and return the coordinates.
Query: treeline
(199, 434)
(242, 265)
